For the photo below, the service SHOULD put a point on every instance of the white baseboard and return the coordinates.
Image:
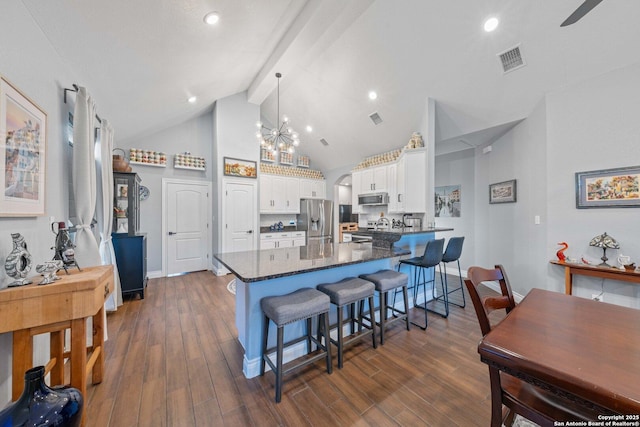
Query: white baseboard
(154, 274)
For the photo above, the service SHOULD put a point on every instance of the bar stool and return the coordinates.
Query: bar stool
(385, 281)
(432, 256)
(348, 292)
(303, 304)
(453, 253)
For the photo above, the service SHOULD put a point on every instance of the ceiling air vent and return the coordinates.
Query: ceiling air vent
(375, 118)
(511, 59)
(324, 142)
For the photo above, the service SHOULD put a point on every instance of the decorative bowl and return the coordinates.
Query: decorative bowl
(630, 267)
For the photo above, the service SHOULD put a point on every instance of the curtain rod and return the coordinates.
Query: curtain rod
(75, 89)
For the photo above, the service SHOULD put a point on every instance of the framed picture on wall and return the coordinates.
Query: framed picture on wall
(503, 192)
(242, 168)
(23, 148)
(608, 188)
(447, 201)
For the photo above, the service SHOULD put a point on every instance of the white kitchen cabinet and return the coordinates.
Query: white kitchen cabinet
(414, 199)
(282, 239)
(394, 196)
(312, 188)
(356, 189)
(374, 180)
(279, 194)
(292, 195)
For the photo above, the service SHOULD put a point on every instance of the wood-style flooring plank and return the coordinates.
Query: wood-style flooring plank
(173, 359)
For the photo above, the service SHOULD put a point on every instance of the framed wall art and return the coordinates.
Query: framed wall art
(503, 192)
(608, 188)
(447, 201)
(242, 168)
(23, 148)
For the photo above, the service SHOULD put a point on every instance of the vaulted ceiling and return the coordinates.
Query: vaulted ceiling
(142, 59)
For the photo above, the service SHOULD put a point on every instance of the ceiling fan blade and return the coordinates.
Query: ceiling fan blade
(582, 10)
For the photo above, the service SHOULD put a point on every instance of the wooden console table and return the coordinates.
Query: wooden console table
(66, 304)
(571, 269)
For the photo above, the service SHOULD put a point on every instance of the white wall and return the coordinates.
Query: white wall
(458, 169)
(589, 126)
(28, 61)
(194, 136)
(505, 233)
(593, 125)
(234, 136)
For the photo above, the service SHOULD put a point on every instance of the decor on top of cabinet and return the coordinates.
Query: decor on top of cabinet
(120, 163)
(187, 161)
(289, 171)
(64, 247)
(379, 159)
(138, 156)
(415, 141)
(18, 262)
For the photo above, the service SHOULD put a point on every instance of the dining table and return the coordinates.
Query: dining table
(583, 350)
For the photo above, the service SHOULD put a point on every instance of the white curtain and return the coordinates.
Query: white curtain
(106, 245)
(87, 253)
(83, 172)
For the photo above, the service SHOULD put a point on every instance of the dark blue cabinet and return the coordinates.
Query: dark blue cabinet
(131, 258)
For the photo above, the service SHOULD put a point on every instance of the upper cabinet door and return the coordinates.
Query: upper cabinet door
(292, 195)
(312, 188)
(415, 163)
(374, 180)
(356, 189)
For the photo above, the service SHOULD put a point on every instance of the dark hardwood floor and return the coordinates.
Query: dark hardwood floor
(173, 359)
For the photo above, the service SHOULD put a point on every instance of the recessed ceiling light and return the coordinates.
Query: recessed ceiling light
(491, 24)
(309, 128)
(212, 18)
(373, 95)
(192, 99)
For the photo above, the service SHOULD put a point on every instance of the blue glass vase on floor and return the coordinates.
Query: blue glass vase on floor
(40, 405)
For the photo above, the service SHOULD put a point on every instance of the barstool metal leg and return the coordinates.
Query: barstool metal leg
(265, 336)
(373, 321)
(340, 337)
(383, 315)
(279, 356)
(327, 340)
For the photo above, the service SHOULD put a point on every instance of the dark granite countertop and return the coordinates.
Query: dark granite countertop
(399, 231)
(255, 266)
(285, 229)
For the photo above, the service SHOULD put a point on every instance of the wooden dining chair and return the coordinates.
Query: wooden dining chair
(519, 397)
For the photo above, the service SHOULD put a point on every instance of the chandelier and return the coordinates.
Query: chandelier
(282, 137)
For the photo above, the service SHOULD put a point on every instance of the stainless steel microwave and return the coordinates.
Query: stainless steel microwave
(375, 199)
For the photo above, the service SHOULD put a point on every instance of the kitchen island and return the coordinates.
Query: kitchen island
(281, 271)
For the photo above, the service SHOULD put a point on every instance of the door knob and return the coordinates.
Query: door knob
(171, 233)
(250, 231)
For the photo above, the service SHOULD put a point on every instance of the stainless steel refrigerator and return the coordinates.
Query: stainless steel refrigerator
(316, 218)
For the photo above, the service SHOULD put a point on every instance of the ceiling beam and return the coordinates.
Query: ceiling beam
(318, 25)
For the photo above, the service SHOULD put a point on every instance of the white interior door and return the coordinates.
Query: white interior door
(187, 213)
(240, 215)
